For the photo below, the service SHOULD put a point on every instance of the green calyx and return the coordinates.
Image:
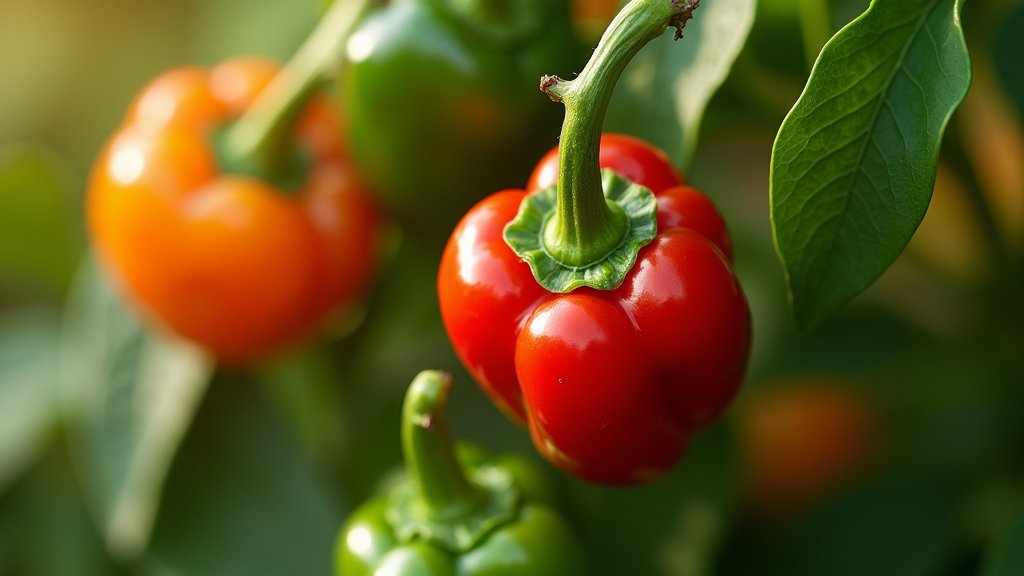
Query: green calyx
(588, 230)
(261, 143)
(440, 503)
(533, 230)
(287, 173)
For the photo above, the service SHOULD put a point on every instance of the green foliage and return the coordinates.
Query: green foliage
(131, 395)
(915, 539)
(1007, 557)
(28, 387)
(854, 162)
(241, 499)
(895, 525)
(36, 243)
(45, 527)
(662, 95)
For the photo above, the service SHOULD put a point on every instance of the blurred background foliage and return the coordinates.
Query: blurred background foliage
(888, 441)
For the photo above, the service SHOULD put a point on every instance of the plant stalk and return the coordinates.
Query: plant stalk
(444, 492)
(259, 138)
(585, 227)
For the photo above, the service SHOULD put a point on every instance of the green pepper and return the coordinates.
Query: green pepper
(441, 102)
(466, 513)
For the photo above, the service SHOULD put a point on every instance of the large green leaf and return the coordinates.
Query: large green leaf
(854, 162)
(35, 218)
(28, 384)
(662, 95)
(130, 396)
(241, 500)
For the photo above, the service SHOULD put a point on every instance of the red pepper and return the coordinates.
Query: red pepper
(611, 383)
(600, 309)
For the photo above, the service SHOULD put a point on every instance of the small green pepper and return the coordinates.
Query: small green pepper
(441, 104)
(465, 514)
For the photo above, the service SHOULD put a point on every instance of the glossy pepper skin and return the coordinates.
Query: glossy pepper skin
(441, 104)
(524, 536)
(231, 262)
(610, 382)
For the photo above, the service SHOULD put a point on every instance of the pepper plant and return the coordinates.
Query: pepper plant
(854, 165)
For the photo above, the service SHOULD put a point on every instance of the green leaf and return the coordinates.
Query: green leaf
(662, 95)
(45, 527)
(130, 396)
(1006, 51)
(1007, 557)
(35, 218)
(28, 384)
(303, 388)
(241, 500)
(854, 162)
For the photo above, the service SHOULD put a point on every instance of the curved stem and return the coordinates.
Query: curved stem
(258, 137)
(444, 492)
(585, 228)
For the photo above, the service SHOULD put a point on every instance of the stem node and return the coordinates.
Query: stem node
(550, 85)
(682, 12)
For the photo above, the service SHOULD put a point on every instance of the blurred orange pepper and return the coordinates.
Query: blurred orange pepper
(802, 439)
(229, 261)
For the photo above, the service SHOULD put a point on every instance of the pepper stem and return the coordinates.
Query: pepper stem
(444, 492)
(441, 502)
(586, 227)
(257, 141)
